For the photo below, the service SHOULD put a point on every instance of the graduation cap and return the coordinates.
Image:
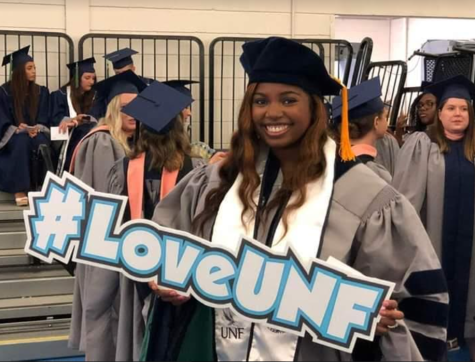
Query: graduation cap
(181, 85)
(121, 58)
(77, 69)
(280, 60)
(17, 58)
(127, 82)
(457, 87)
(157, 106)
(363, 100)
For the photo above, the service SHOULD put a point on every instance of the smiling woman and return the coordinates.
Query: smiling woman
(284, 183)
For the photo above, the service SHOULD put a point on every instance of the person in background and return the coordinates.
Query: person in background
(368, 117)
(162, 157)
(200, 149)
(285, 182)
(24, 127)
(122, 61)
(438, 176)
(423, 113)
(71, 107)
(96, 300)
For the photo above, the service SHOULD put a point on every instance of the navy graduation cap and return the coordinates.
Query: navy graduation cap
(181, 85)
(81, 67)
(280, 60)
(18, 58)
(121, 58)
(457, 87)
(363, 100)
(127, 82)
(157, 106)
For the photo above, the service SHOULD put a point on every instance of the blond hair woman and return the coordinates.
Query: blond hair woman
(95, 305)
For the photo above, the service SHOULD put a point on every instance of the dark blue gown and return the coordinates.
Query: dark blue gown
(18, 152)
(59, 109)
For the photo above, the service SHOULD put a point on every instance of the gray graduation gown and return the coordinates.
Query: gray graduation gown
(133, 311)
(95, 305)
(380, 170)
(388, 152)
(420, 176)
(371, 227)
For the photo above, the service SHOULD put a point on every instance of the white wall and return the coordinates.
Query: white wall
(38, 15)
(355, 30)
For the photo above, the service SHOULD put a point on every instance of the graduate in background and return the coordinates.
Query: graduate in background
(436, 172)
(71, 108)
(282, 182)
(200, 149)
(423, 113)
(96, 299)
(368, 118)
(24, 126)
(162, 156)
(122, 61)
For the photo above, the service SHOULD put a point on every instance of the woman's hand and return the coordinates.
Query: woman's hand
(33, 131)
(390, 317)
(21, 127)
(167, 295)
(65, 125)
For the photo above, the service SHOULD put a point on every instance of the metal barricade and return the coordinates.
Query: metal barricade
(363, 59)
(393, 76)
(160, 57)
(51, 52)
(228, 81)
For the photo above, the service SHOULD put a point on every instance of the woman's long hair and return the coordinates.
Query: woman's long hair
(25, 94)
(245, 145)
(113, 119)
(469, 141)
(82, 101)
(166, 151)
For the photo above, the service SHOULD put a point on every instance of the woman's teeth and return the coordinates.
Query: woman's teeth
(276, 129)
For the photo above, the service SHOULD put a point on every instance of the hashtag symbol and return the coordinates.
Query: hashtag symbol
(58, 220)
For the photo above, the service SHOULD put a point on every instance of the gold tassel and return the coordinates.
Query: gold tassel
(346, 153)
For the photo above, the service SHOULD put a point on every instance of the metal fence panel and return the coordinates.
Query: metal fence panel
(161, 58)
(393, 76)
(363, 59)
(228, 81)
(51, 52)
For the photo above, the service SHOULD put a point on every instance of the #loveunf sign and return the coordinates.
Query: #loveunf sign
(68, 220)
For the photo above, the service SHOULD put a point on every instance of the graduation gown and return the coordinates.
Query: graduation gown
(371, 227)
(441, 188)
(60, 109)
(94, 319)
(388, 153)
(18, 158)
(367, 154)
(135, 298)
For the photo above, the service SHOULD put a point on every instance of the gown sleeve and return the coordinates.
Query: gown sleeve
(393, 245)
(380, 171)
(7, 124)
(95, 158)
(58, 108)
(388, 153)
(178, 209)
(43, 117)
(410, 178)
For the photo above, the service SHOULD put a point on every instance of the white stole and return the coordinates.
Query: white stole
(304, 234)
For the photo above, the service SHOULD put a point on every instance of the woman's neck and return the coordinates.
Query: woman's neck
(454, 136)
(369, 139)
(287, 157)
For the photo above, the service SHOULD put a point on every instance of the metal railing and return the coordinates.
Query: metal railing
(161, 58)
(228, 81)
(393, 76)
(363, 59)
(51, 52)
